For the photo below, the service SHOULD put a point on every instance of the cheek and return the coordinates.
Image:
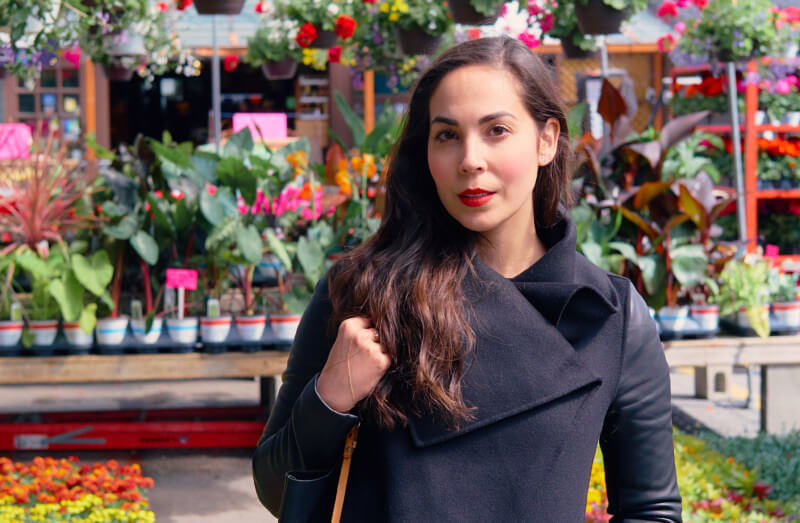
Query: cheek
(517, 172)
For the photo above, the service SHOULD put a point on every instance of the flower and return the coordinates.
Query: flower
(261, 7)
(666, 43)
(345, 27)
(529, 39)
(335, 54)
(230, 63)
(667, 10)
(306, 35)
(473, 33)
(183, 4)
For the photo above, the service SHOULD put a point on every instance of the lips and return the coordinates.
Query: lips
(475, 197)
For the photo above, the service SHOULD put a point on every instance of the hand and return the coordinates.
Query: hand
(355, 365)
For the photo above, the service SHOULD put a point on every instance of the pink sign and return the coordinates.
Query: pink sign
(15, 141)
(263, 126)
(182, 279)
(771, 251)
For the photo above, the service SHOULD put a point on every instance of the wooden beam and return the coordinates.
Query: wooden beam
(89, 102)
(141, 367)
(369, 101)
(658, 86)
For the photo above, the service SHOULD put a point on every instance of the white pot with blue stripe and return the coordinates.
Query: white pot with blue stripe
(673, 318)
(111, 331)
(182, 330)
(149, 337)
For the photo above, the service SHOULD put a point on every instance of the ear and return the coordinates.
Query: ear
(548, 141)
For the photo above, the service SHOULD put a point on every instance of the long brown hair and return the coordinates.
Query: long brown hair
(407, 278)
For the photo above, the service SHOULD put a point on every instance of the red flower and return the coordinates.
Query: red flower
(261, 7)
(666, 43)
(163, 7)
(667, 9)
(345, 27)
(473, 33)
(547, 22)
(306, 35)
(230, 63)
(335, 54)
(701, 4)
(761, 491)
(183, 4)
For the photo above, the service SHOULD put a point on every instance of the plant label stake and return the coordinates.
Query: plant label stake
(136, 309)
(212, 308)
(181, 279)
(16, 312)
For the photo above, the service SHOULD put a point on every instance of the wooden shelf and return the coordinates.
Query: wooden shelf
(775, 194)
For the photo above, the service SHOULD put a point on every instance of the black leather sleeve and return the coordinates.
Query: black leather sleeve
(302, 433)
(637, 434)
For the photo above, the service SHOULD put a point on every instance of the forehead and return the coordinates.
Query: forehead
(477, 90)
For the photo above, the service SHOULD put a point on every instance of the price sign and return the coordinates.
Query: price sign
(182, 279)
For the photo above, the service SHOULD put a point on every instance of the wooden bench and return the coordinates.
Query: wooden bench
(778, 356)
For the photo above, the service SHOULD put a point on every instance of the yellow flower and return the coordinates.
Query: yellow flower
(385, 7)
(356, 161)
(394, 17)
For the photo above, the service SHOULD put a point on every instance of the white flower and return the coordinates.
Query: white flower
(333, 9)
(432, 25)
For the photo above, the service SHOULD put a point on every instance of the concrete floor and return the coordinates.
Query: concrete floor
(216, 486)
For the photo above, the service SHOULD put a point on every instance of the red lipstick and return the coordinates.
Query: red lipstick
(475, 197)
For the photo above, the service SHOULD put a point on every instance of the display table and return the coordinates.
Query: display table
(778, 357)
(187, 428)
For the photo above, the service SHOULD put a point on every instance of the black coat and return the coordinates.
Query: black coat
(566, 355)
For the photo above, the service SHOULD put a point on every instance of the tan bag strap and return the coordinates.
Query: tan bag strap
(349, 447)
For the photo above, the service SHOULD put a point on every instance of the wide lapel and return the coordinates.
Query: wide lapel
(526, 333)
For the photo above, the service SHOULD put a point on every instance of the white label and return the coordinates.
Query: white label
(30, 441)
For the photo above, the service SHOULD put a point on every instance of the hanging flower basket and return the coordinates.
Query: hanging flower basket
(598, 18)
(118, 73)
(464, 13)
(416, 41)
(325, 39)
(573, 51)
(280, 70)
(219, 7)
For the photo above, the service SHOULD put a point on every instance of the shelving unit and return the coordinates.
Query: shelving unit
(750, 152)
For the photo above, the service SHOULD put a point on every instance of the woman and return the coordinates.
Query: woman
(484, 357)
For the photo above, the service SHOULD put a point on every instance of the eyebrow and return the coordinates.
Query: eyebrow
(484, 119)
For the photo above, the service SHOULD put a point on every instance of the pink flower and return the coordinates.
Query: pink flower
(473, 33)
(666, 43)
(212, 189)
(680, 27)
(792, 79)
(783, 87)
(668, 9)
(177, 195)
(529, 39)
(159, 194)
(242, 208)
(700, 4)
(307, 214)
(331, 211)
(547, 23)
(683, 3)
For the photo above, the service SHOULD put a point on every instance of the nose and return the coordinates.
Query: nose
(473, 160)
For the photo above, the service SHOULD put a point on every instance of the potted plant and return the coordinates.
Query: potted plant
(322, 23)
(743, 291)
(704, 309)
(219, 7)
(733, 30)
(784, 296)
(565, 27)
(605, 16)
(274, 47)
(420, 25)
(11, 324)
(475, 12)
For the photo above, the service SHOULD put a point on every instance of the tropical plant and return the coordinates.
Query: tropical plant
(783, 285)
(432, 17)
(687, 158)
(7, 295)
(742, 285)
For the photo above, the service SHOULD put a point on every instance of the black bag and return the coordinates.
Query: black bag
(308, 496)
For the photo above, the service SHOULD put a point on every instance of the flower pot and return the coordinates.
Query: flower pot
(743, 321)
(673, 318)
(251, 328)
(705, 315)
(284, 325)
(416, 41)
(219, 7)
(325, 39)
(117, 73)
(133, 45)
(792, 118)
(573, 51)
(138, 329)
(182, 330)
(215, 330)
(598, 18)
(75, 335)
(464, 13)
(44, 331)
(111, 331)
(10, 332)
(787, 313)
(281, 70)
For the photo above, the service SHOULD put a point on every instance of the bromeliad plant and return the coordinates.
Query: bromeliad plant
(743, 285)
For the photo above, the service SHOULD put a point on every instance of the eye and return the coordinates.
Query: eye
(498, 130)
(444, 135)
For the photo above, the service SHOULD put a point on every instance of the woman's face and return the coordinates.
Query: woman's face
(484, 150)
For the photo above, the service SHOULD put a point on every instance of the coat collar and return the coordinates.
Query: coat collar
(527, 331)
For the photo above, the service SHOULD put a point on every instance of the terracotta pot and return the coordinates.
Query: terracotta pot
(281, 70)
(219, 7)
(464, 13)
(598, 18)
(416, 41)
(573, 51)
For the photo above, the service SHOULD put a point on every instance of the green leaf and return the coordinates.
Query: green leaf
(233, 173)
(159, 209)
(278, 249)
(174, 156)
(594, 253)
(312, 260)
(248, 240)
(223, 234)
(575, 120)
(93, 273)
(145, 246)
(653, 271)
(33, 264)
(626, 249)
(211, 208)
(88, 318)
(205, 166)
(122, 230)
(68, 293)
(111, 209)
(239, 145)
(78, 246)
(352, 120)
